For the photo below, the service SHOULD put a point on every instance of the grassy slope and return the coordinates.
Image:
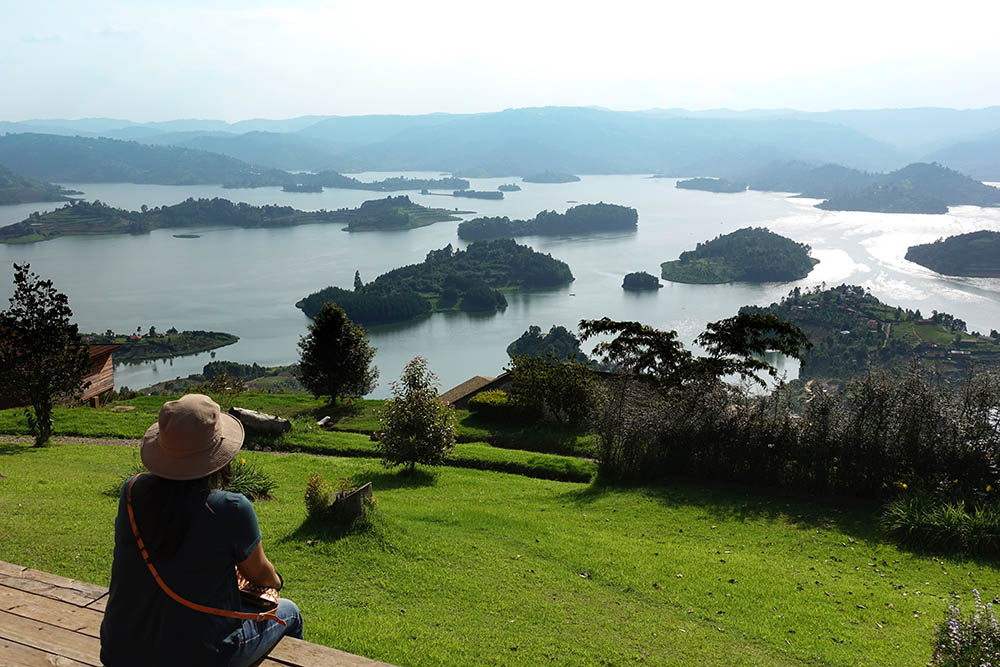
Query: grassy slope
(469, 567)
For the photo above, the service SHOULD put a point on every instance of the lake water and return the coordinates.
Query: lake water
(247, 281)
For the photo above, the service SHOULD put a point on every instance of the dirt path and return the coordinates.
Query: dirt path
(71, 440)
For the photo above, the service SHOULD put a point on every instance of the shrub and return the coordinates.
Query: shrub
(416, 426)
(319, 496)
(250, 480)
(942, 525)
(563, 392)
(968, 640)
(492, 405)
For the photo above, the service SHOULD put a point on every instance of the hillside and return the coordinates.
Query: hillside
(978, 157)
(916, 188)
(17, 189)
(976, 255)
(851, 331)
(749, 254)
(711, 185)
(582, 219)
(49, 157)
(81, 218)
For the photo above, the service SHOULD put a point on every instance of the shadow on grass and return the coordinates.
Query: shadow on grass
(858, 519)
(387, 480)
(12, 449)
(533, 437)
(336, 412)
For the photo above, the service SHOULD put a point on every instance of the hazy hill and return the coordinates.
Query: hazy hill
(916, 188)
(979, 158)
(18, 189)
(585, 140)
(271, 149)
(58, 158)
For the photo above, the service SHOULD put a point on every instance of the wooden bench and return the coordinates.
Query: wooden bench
(49, 620)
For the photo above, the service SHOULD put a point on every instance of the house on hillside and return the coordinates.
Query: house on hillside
(459, 396)
(99, 379)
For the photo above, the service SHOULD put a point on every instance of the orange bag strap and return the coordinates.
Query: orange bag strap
(262, 616)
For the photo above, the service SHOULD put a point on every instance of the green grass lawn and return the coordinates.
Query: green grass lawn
(356, 419)
(470, 567)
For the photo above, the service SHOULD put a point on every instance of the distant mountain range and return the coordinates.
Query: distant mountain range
(580, 140)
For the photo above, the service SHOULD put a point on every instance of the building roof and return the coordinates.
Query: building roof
(98, 350)
(471, 385)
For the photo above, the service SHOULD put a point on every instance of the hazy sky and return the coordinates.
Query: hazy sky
(159, 59)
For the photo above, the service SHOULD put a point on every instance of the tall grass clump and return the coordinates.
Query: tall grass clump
(968, 640)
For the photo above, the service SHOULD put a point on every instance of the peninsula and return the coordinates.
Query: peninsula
(478, 194)
(852, 331)
(578, 219)
(976, 255)
(447, 279)
(83, 218)
(152, 345)
(751, 254)
(18, 189)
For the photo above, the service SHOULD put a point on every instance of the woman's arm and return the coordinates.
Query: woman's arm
(258, 569)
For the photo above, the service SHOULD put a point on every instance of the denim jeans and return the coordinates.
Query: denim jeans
(259, 637)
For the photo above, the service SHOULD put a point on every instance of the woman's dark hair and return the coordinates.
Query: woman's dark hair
(164, 508)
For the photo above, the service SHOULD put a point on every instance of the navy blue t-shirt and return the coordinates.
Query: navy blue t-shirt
(142, 625)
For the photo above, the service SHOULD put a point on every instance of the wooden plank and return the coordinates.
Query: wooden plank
(63, 615)
(92, 590)
(12, 653)
(11, 570)
(48, 590)
(100, 604)
(291, 651)
(50, 585)
(50, 638)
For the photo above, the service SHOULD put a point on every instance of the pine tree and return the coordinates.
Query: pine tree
(335, 356)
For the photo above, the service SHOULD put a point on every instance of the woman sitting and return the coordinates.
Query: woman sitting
(179, 538)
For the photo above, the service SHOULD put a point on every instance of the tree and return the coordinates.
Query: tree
(416, 426)
(335, 357)
(358, 284)
(550, 387)
(41, 354)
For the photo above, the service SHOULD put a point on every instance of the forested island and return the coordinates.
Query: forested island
(578, 219)
(154, 345)
(975, 255)
(478, 194)
(751, 254)
(18, 189)
(251, 377)
(447, 279)
(559, 344)
(81, 218)
(509, 187)
(640, 281)
(711, 185)
(551, 177)
(333, 179)
(851, 331)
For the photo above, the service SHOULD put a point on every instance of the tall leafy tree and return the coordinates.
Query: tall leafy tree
(335, 357)
(417, 426)
(41, 354)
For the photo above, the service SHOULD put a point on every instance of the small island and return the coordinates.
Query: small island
(152, 345)
(509, 187)
(711, 185)
(751, 254)
(302, 187)
(83, 218)
(640, 281)
(976, 255)
(585, 218)
(478, 194)
(448, 279)
(18, 189)
(551, 177)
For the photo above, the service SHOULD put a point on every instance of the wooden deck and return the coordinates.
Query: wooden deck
(49, 620)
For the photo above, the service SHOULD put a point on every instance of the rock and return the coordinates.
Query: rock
(325, 422)
(258, 422)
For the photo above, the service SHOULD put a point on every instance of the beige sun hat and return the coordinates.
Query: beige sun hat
(191, 438)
